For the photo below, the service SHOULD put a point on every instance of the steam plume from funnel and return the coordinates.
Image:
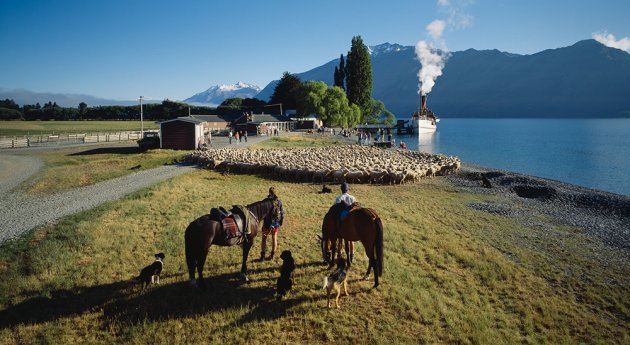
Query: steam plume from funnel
(432, 64)
(433, 53)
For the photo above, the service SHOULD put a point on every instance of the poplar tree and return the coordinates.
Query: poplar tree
(340, 74)
(359, 77)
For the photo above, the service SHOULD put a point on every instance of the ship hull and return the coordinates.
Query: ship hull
(423, 126)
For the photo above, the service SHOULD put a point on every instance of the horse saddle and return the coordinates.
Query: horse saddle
(219, 213)
(232, 222)
(232, 226)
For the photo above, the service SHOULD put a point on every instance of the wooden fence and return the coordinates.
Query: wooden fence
(64, 139)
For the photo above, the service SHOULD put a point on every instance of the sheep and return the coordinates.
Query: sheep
(356, 164)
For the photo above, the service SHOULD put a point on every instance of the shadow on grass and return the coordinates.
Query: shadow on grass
(125, 302)
(109, 150)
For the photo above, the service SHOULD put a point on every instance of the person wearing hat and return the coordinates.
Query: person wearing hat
(348, 200)
(271, 227)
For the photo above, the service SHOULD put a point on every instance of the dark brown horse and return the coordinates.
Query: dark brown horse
(361, 224)
(203, 232)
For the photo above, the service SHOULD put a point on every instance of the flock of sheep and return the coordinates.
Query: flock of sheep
(354, 164)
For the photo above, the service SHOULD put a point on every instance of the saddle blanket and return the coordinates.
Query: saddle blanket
(231, 228)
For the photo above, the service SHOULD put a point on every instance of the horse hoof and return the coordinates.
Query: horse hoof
(244, 277)
(367, 277)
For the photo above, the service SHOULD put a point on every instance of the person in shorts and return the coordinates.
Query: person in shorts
(271, 227)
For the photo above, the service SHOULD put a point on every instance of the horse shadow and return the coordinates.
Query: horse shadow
(126, 302)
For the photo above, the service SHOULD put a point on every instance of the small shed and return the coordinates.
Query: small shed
(182, 133)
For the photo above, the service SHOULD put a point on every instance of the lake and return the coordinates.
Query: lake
(594, 153)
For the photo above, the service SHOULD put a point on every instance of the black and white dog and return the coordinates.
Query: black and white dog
(285, 282)
(151, 273)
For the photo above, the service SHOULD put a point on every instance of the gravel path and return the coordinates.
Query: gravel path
(19, 213)
(14, 170)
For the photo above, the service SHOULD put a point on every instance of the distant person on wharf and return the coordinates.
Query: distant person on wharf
(230, 136)
(347, 200)
(271, 227)
(237, 137)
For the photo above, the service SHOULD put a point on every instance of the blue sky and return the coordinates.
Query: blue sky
(167, 49)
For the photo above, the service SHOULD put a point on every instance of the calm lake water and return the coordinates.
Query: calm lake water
(587, 152)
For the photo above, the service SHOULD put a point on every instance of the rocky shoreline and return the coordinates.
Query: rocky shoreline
(603, 215)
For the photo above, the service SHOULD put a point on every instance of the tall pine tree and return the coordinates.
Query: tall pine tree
(359, 77)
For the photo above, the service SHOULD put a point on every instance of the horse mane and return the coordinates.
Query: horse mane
(254, 207)
(259, 203)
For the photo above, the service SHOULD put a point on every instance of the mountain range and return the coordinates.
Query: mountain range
(587, 79)
(215, 95)
(70, 100)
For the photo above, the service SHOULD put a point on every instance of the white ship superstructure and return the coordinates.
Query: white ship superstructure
(424, 120)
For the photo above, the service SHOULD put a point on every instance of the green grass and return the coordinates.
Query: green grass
(18, 128)
(299, 141)
(451, 275)
(73, 167)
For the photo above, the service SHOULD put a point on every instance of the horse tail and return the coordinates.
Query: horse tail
(379, 245)
(191, 252)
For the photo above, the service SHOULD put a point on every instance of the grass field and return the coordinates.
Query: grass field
(18, 128)
(451, 274)
(72, 167)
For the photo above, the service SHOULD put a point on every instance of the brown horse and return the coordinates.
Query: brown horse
(361, 224)
(203, 232)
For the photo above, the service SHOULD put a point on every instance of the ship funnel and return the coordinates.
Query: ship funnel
(423, 102)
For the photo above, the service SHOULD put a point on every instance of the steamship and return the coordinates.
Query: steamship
(424, 120)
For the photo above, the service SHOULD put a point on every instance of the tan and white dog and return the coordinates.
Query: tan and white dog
(335, 280)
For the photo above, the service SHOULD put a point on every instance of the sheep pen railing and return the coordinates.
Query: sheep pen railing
(354, 164)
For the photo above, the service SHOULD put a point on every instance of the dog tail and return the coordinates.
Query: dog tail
(379, 245)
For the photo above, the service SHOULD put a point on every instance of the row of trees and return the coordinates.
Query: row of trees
(9, 110)
(347, 103)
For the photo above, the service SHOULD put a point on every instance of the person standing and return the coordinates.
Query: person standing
(271, 226)
(230, 136)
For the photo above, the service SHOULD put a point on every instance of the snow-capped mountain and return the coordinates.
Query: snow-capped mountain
(386, 48)
(215, 95)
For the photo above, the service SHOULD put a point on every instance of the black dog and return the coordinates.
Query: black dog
(285, 282)
(325, 189)
(485, 181)
(151, 273)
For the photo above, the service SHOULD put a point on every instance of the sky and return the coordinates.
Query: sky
(121, 49)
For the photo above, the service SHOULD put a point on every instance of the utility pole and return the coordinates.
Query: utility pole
(141, 120)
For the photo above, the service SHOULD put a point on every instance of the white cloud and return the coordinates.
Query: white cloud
(435, 29)
(458, 17)
(609, 40)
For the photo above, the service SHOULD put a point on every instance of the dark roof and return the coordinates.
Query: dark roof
(217, 118)
(185, 119)
(260, 118)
